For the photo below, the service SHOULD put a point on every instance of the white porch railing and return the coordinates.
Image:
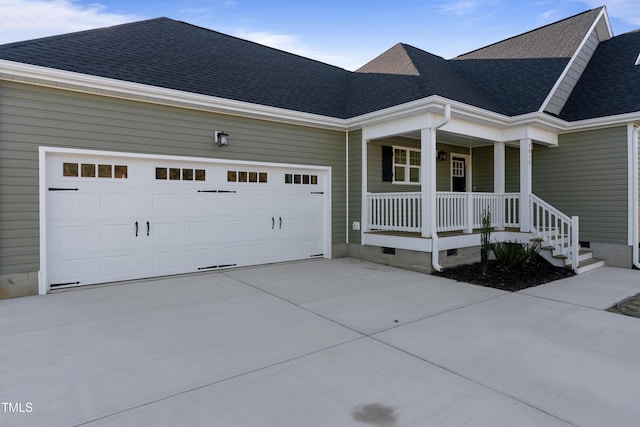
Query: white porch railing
(402, 211)
(464, 211)
(555, 229)
(395, 211)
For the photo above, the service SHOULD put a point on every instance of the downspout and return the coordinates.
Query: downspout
(634, 186)
(435, 262)
(346, 172)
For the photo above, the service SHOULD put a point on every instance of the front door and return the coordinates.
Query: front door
(458, 174)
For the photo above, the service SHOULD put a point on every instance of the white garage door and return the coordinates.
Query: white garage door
(112, 218)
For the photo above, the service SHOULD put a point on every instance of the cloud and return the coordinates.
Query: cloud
(29, 19)
(293, 44)
(459, 8)
(624, 10)
(287, 42)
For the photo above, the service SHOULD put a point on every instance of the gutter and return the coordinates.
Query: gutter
(435, 262)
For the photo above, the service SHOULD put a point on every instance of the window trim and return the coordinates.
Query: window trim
(407, 165)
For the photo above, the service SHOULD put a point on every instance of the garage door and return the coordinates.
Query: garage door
(112, 218)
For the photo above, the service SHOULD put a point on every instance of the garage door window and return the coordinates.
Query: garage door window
(92, 170)
(291, 178)
(247, 176)
(180, 174)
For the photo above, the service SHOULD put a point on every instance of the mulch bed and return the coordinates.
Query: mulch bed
(514, 279)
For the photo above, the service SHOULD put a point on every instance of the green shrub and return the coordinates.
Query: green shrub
(511, 254)
(485, 237)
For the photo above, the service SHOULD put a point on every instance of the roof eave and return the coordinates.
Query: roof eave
(68, 80)
(435, 103)
(42, 76)
(602, 122)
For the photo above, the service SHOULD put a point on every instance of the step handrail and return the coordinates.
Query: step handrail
(555, 229)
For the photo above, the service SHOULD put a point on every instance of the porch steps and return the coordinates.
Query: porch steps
(586, 261)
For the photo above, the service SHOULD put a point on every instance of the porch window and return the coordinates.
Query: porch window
(406, 165)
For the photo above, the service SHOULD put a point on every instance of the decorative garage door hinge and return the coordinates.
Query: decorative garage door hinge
(62, 189)
(217, 266)
(316, 255)
(216, 191)
(53, 285)
(317, 192)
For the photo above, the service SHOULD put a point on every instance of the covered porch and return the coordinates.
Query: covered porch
(448, 183)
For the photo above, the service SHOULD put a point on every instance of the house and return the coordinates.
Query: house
(158, 148)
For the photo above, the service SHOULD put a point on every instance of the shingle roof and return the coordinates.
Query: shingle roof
(519, 72)
(510, 77)
(405, 73)
(610, 84)
(171, 54)
(556, 40)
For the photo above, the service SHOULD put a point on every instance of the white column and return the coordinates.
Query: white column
(364, 209)
(498, 167)
(525, 184)
(498, 180)
(428, 180)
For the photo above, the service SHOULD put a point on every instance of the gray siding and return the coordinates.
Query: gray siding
(483, 169)
(374, 165)
(512, 170)
(586, 175)
(32, 116)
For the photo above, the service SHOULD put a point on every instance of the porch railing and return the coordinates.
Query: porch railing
(555, 229)
(403, 211)
(395, 211)
(464, 211)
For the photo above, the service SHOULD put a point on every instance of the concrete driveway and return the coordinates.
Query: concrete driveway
(322, 343)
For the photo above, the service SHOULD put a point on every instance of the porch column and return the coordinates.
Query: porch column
(428, 180)
(364, 209)
(498, 167)
(525, 184)
(498, 180)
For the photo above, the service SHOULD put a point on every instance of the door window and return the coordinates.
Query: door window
(457, 168)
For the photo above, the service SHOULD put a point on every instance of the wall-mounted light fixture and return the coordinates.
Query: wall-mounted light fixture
(221, 138)
(442, 155)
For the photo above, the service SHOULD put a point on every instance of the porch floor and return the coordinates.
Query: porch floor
(418, 235)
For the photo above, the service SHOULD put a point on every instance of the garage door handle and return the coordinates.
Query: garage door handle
(273, 223)
(281, 223)
(148, 227)
(136, 228)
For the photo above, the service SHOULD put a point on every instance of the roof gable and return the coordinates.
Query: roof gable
(521, 72)
(408, 73)
(394, 61)
(610, 84)
(556, 40)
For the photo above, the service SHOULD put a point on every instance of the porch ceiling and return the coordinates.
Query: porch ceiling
(453, 139)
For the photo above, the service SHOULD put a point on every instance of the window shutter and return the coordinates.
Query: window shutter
(387, 164)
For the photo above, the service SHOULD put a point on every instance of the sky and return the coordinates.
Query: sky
(347, 33)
